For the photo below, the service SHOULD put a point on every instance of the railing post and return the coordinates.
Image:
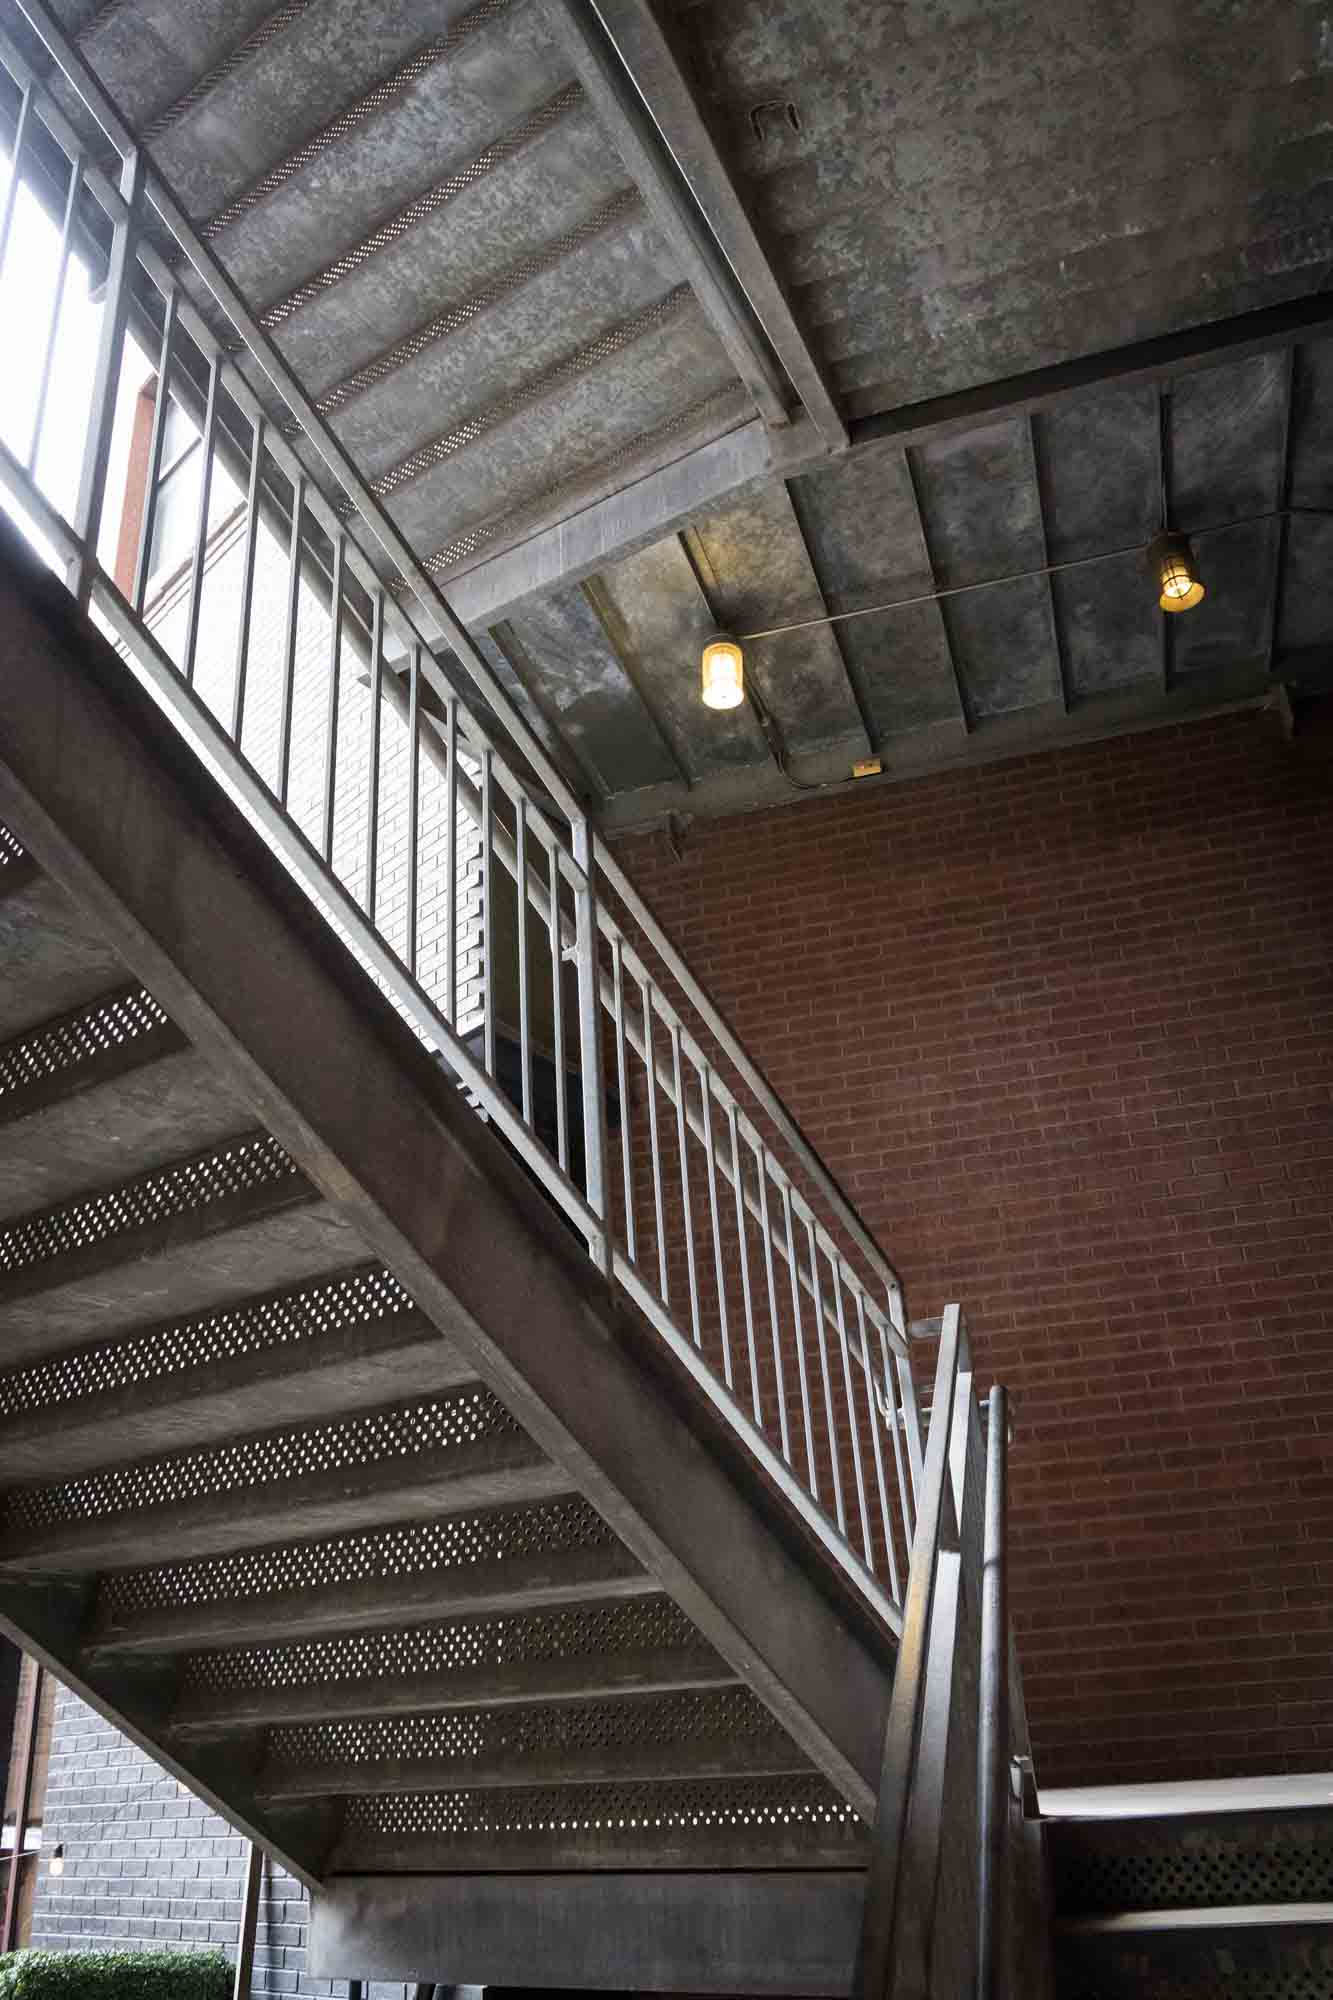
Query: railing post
(904, 1860)
(21, 1790)
(993, 1716)
(87, 522)
(591, 1065)
(249, 1923)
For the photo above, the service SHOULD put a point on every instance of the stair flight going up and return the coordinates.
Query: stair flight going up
(333, 1470)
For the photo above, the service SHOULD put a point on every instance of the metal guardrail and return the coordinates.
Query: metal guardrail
(302, 649)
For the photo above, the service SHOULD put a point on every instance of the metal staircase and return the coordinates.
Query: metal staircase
(309, 1534)
(1192, 1905)
(456, 1424)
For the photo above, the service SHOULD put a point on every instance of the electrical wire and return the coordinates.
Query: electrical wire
(1013, 576)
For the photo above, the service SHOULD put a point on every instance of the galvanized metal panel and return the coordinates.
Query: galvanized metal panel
(559, 313)
(608, 405)
(504, 216)
(861, 525)
(1110, 625)
(1225, 441)
(270, 105)
(759, 573)
(500, 74)
(659, 620)
(567, 657)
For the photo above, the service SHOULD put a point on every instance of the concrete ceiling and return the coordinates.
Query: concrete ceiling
(643, 320)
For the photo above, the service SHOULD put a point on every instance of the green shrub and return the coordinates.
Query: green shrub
(115, 1975)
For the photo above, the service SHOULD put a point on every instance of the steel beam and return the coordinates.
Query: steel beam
(785, 1932)
(622, 112)
(665, 499)
(643, 48)
(1157, 359)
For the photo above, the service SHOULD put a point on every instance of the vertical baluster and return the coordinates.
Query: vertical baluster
(747, 1302)
(876, 1424)
(822, 1336)
(289, 639)
(87, 521)
(907, 1386)
(488, 915)
(247, 591)
(413, 802)
(715, 1216)
(895, 1433)
(853, 1413)
(199, 553)
(15, 172)
(373, 756)
(654, 1140)
(335, 693)
(622, 1088)
(524, 995)
(794, 1269)
(774, 1316)
(558, 1014)
(678, 1084)
(591, 1058)
(157, 439)
(57, 302)
(451, 869)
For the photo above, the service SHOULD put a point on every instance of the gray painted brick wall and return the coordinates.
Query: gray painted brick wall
(149, 1867)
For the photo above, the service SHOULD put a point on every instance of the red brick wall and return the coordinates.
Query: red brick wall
(1061, 1027)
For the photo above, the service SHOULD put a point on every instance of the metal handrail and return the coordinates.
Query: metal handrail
(755, 1176)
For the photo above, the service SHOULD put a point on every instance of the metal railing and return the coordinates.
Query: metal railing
(299, 645)
(954, 1898)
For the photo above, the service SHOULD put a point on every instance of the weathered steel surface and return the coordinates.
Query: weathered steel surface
(687, 1933)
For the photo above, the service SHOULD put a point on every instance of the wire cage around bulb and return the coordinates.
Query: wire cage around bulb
(723, 672)
(1171, 560)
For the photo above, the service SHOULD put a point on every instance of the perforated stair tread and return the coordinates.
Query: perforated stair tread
(505, 1559)
(202, 1231)
(437, 1456)
(790, 1822)
(1191, 1861)
(724, 1733)
(110, 1090)
(343, 1343)
(582, 1652)
(51, 960)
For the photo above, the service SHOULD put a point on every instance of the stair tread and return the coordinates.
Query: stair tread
(347, 1342)
(136, 1105)
(720, 1733)
(436, 1456)
(198, 1231)
(580, 1652)
(505, 1559)
(740, 1823)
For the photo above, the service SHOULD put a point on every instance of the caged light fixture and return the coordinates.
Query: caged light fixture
(56, 1866)
(1170, 556)
(723, 672)
(1171, 560)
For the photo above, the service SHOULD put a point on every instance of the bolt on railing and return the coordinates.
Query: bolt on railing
(266, 597)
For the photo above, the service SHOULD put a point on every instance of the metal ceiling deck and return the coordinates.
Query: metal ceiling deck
(444, 216)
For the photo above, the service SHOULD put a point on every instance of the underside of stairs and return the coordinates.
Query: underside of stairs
(334, 1471)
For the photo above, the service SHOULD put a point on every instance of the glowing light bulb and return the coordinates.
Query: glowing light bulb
(723, 673)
